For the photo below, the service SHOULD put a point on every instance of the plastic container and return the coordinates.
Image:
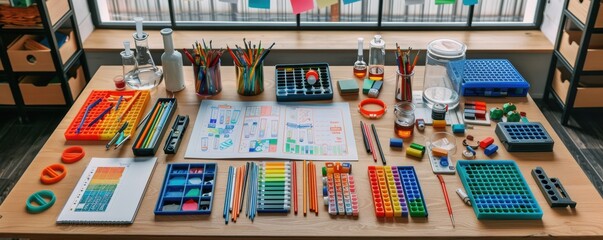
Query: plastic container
(437, 85)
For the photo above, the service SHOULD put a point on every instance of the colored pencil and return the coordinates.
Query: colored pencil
(305, 187)
(378, 144)
(146, 130)
(227, 195)
(153, 124)
(88, 108)
(364, 139)
(162, 122)
(100, 116)
(294, 183)
(127, 108)
(370, 140)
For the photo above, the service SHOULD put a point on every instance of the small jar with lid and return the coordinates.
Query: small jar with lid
(438, 87)
(405, 119)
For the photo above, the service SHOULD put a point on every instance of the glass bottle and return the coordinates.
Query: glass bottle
(360, 65)
(172, 63)
(147, 75)
(405, 119)
(128, 61)
(438, 86)
(376, 59)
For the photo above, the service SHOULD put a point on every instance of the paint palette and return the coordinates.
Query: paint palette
(498, 190)
(524, 137)
(106, 128)
(187, 189)
(291, 84)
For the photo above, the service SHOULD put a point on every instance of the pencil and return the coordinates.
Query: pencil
(146, 130)
(443, 185)
(154, 125)
(370, 140)
(246, 170)
(315, 188)
(100, 116)
(294, 183)
(305, 187)
(235, 202)
(127, 108)
(378, 144)
(162, 122)
(364, 139)
(227, 195)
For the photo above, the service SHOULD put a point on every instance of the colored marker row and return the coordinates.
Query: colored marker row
(339, 189)
(274, 187)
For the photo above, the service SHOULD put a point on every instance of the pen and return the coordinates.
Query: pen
(378, 144)
(364, 139)
(443, 184)
(368, 138)
(117, 134)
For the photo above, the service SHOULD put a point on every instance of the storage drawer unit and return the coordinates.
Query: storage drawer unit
(50, 94)
(30, 16)
(570, 44)
(6, 96)
(585, 96)
(24, 60)
(580, 9)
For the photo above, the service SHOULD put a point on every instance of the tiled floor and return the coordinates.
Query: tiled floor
(20, 142)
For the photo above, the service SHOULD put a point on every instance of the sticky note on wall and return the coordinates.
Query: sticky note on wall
(350, 1)
(300, 6)
(438, 2)
(469, 2)
(326, 3)
(259, 4)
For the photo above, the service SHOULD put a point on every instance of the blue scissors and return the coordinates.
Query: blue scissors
(43, 199)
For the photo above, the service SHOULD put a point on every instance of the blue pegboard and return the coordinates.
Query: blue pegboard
(184, 184)
(412, 191)
(291, 84)
(498, 190)
(488, 77)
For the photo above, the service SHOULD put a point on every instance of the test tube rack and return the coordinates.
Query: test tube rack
(498, 190)
(339, 189)
(488, 77)
(187, 189)
(274, 187)
(552, 189)
(291, 84)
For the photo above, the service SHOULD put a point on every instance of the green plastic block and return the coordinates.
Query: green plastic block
(367, 85)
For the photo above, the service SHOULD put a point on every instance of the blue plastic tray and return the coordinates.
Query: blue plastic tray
(412, 191)
(498, 190)
(187, 183)
(524, 137)
(291, 84)
(488, 77)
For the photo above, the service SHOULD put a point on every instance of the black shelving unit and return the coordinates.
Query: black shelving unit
(48, 30)
(589, 26)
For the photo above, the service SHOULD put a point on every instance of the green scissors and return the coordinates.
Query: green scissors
(44, 199)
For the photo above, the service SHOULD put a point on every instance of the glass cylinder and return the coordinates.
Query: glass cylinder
(405, 119)
(208, 81)
(376, 59)
(404, 86)
(438, 86)
(250, 80)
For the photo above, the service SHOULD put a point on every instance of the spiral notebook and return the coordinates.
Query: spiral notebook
(109, 191)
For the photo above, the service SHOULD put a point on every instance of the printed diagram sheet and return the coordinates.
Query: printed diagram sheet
(229, 129)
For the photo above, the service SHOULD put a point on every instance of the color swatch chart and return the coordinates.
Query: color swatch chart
(99, 191)
(396, 191)
(339, 189)
(274, 187)
(104, 112)
(498, 190)
(187, 189)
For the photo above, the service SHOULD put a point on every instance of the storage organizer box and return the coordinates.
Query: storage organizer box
(586, 96)
(6, 96)
(156, 126)
(524, 137)
(498, 190)
(30, 16)
(106, 128)
(291, 82)
(488, 77)
(580, 8)
(188, 188)
(47, 90)
(570, 44)
(24, 60)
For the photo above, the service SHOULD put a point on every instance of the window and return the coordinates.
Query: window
(363, 14)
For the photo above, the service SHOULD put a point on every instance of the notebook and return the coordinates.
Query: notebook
(109, 191)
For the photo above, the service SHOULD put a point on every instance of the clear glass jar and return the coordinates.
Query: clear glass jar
(376, 65)
(405, 119)
(437, 85)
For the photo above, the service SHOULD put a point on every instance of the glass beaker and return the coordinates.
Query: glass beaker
(146, 75)
(404, 86)
(250, 80)
(376, 64)
(438, 86)
(405, 119)
(208, 81)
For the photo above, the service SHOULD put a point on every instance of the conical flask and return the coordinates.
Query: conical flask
(146, 75)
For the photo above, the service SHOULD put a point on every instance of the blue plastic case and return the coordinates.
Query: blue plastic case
(187, 183)
(488, 77)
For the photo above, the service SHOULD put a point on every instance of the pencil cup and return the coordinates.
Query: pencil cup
(208, 81)
(250, 80)
(404, 86)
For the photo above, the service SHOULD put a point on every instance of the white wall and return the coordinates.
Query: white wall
(552, 16)
(83, 17)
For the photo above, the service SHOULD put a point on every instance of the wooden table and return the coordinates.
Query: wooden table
(585, 220)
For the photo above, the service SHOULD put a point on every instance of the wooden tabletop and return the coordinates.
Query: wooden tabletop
(586, 220)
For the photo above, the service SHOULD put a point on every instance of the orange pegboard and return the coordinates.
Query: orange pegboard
(109, 124)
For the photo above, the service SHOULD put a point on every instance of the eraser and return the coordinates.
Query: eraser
(458, 128)
(490, 149)
(367, 85)
(377, 85)
(396, 142)
(486, 142)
